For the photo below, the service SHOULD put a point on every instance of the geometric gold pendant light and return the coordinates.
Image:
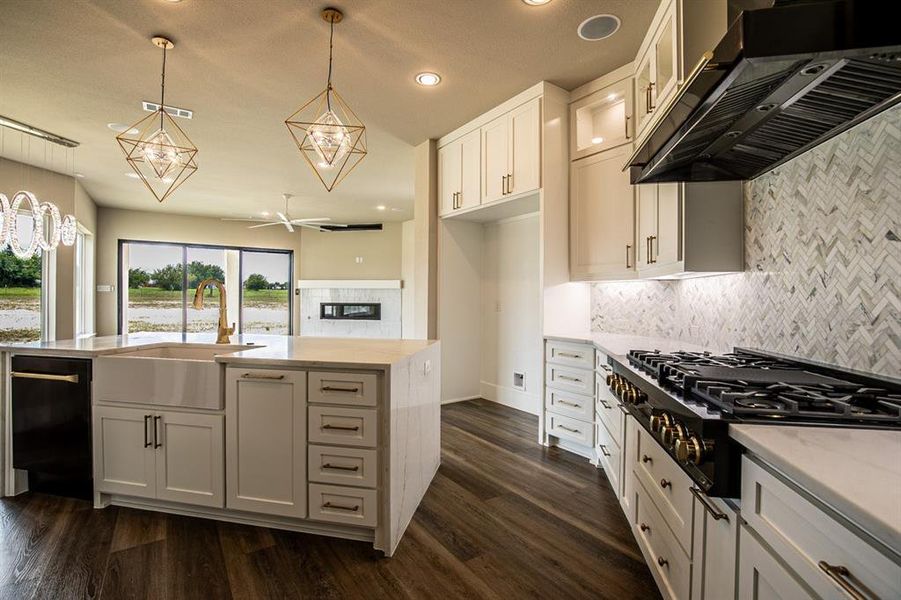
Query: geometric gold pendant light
(328, 134)
(159, 152)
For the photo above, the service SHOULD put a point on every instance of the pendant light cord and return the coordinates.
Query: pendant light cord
(328, 89)
(163, 89)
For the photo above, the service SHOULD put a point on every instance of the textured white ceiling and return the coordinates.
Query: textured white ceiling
(243, 66)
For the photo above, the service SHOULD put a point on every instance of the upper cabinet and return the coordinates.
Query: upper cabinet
(655, 79)
(498, 156)
(602, 120)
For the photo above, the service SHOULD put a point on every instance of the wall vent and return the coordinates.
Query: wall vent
(174, 111)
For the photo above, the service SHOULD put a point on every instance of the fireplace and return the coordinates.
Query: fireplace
(359, 311)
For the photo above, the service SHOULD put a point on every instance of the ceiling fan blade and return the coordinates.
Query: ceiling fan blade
(288, 226)
(263, 225)
(311, 220)
(245, 220)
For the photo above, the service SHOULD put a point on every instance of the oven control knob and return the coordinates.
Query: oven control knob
(660, 420)
(674, 432)
(693, 449)
(610, 379)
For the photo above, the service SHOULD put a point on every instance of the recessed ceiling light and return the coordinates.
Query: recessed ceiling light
(265, 213)
(122, 128)
(598, 27)
(428, 79)
(611, 97)
(80, 175)
(381, 207)
(133, 175)
(597, 140)
(536, 2)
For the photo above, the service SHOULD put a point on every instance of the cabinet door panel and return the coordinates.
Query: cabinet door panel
(266, 441)
(666, 57)
(602, 217)
(471, 170)
(647, 223)
(643, 80)
(190, 459)
(123, 452)
(448, 176)
(667, 246)
(714, 554)
(495, 158)
(525, 148)
(602, 120)
(762, 577)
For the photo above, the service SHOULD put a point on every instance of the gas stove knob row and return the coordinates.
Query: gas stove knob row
(660, 420)
(672, 433)
(693, 449)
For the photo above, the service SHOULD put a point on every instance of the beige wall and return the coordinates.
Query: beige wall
(71, 198)
(332, 255)
(316, 255)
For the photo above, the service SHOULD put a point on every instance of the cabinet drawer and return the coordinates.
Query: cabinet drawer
(343, 466)
(600, 364)
(570, 354)
(608, 409)
(578, 381)
(808, 540)
(762, 576)
(569, 404)
(570, 429)
(665, 557)
(342, 426)
(667, 485)
(356, 389)
(338, 504)
(610, 457)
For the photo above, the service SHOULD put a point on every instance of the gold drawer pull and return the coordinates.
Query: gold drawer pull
(702, 498)
(569, 403)
(45, 376)
(662, 561)
(328, 388)
(259, 376)
(644, 527)
(565, 428)
(341, 467)
(353, 508)
(842, 576)
(570, 355)
(341, 427)
(646, 459)
(605, 405)
(568, 378)
(666, 484)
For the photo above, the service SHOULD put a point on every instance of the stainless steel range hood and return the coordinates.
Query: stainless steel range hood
(783, 80)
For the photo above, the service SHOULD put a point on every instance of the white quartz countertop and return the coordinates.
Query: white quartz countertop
(276, 350)
(617, 343)
(855, 471)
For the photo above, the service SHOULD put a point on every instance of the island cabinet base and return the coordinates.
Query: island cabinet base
(319, 448)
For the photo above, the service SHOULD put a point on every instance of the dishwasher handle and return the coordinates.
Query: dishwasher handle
(44, 376)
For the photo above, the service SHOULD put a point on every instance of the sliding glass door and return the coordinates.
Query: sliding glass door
(161, 279)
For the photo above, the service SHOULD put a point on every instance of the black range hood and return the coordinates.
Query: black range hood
(783, 80)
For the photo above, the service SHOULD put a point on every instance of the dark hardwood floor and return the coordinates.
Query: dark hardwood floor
(504, 518)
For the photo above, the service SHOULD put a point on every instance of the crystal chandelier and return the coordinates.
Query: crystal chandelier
(326, 131)
(49, 228)
(160, 153)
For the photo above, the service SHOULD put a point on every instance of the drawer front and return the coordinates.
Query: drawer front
(342, 426)
(570, 429)
(809, 540)
(761, 576)
(667, 485)
(570, 354)
(569, 404)
(338, 504)
(609, 411)
(342, 466)
(665, 557)
(353, 389)
(610, 456)
(569, 379)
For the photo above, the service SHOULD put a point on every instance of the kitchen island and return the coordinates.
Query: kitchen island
(338, 437)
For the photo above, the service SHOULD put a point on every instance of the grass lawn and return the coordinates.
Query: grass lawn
(151, 296)
(19, 293)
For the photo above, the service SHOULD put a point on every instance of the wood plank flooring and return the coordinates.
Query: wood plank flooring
(504, 519)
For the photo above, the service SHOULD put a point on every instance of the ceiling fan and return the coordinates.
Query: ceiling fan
(284, 218)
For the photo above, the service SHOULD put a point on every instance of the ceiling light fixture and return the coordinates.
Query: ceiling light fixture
(48, 227)
(160, 153)
(536, 2)
(428, 79)
(326, 131)
(381, 207)
(597, 140)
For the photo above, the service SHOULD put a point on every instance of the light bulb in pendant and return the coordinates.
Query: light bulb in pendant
(161, 153)
(330, 138)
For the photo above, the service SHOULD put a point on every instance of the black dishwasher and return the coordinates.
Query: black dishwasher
(51, 424)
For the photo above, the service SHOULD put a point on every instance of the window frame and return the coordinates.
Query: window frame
(123, 277)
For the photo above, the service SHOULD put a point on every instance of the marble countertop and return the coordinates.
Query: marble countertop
(276, 350)
(855, 471)
(616, 343)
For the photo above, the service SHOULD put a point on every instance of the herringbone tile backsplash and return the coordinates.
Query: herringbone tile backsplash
(822, 264)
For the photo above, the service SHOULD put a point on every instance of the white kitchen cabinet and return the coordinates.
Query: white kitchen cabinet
(190, 458)
(266, 441)
(124, 456)
(657, 75)
(602, 120)
(511, 151)
(459, 173)
(164, 455)
(761, 576)
(659, 225)
(715, 549)
(602, 218)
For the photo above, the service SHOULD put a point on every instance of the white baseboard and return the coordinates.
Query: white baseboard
(463, 399)
(511, 397)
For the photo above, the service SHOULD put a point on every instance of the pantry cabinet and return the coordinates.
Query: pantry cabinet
(511, 146)
(602, 218)
(602, 120)
(266, 431)
(459, 173)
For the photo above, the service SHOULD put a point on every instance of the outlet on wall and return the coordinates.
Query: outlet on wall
(519, 380)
